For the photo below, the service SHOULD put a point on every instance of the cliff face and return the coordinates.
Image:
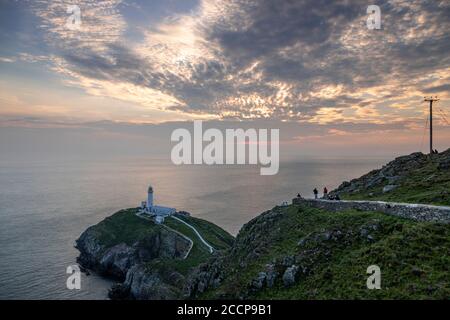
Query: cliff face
(151, 261)
(127, 262)
(116, 260)
(302, 251)
(299, 252)
(322, 249)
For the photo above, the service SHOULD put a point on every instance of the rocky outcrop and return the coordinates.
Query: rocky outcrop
(144, 284)
(126, 263)
(207, 275)
(387, 177)
(117, 260)
(289, 275)
(416, 178)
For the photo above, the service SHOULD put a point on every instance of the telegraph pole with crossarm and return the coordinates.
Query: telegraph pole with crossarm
(431, 100)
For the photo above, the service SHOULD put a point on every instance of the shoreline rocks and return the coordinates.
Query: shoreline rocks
(126, 263)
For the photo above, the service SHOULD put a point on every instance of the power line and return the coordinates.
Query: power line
(424, 131)
(443, 116)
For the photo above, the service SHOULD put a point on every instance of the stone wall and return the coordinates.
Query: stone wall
(419, 212)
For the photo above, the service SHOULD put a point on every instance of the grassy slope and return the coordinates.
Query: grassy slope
(413, 257)
(215, 236)
(125, 227)
(199, 252)
(425, 184)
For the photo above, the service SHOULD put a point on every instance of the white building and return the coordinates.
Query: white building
(158, 212)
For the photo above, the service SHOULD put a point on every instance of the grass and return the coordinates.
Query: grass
(123, 227)
(413, 257)
(198, 254)
(425, 184)
(214, 235)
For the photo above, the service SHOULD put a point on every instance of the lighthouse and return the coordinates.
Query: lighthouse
(158, 212)
(150, 198)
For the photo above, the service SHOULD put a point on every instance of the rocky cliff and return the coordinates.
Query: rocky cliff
(322, 249)
(298, 251)
(151, 261)
(415, 178)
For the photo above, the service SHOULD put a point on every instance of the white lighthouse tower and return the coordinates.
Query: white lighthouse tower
(150, 198)
(158, 212)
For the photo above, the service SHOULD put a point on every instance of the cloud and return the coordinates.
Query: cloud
(101, 24)
(304, 60)
(7, 60)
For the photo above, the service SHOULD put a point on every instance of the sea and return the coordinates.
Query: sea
(46, 204)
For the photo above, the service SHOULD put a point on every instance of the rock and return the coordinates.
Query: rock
(344, 184)
(389, 188)
(326, 236)
(118, 292)
(288, 260)
(126, 263)
(144, 285)
(375, 181)
(204, 276)
(90, 249)
(258, 282)
(117, 260)
(272, 275)
(289, 276)
(444, 164)
(393, 180)
(201, 287)
(363, 232)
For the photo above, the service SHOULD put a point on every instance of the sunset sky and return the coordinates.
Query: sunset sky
(311, 68)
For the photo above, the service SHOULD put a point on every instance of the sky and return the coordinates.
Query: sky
(135, 70)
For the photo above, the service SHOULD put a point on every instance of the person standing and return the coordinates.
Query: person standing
(315, 193)
(325, 193)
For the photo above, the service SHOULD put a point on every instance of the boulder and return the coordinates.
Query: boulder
(389, 188)
(271, 275)
(289, 275)
(258, 282)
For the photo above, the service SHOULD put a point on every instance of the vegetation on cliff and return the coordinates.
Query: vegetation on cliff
(152, 261)
(416, 178)
(299, 252)
(289, 252)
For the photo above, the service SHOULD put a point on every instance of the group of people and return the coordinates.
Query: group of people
(325, 195)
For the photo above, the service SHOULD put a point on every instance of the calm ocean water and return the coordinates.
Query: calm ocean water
(45, 206)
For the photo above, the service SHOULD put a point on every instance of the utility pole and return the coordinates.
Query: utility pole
(431, 100)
